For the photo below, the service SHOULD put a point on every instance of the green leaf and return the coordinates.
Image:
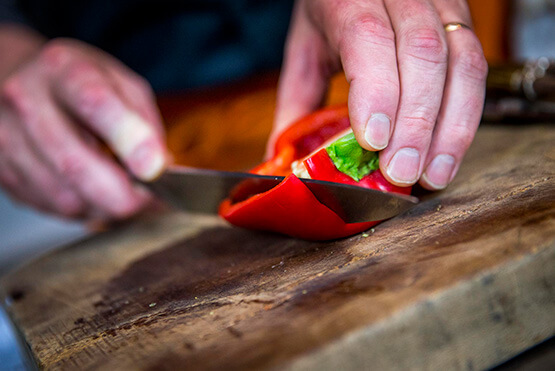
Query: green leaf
(351, 159)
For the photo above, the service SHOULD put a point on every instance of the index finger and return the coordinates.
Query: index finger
(366, 45)
(89, 95)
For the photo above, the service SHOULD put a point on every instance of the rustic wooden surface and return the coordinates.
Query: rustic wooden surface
(464, 280)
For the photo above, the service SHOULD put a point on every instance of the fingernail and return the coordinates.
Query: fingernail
(439, 171)
(129, 133)
(403, 167)
(134, 141)
(377, 131)
(147, 162)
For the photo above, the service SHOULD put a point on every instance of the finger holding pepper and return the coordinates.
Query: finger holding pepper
(416, 86)
(304, 150)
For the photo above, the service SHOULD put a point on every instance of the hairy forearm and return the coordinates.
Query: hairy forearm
(17, 44)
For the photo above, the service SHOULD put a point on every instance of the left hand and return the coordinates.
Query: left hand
(54, 109)
(416, 90)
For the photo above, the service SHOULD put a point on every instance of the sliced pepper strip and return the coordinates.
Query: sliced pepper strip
(290, 207)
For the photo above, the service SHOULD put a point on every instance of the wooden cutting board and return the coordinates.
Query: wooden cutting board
(465, 280)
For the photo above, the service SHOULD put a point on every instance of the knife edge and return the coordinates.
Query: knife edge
(202, 191)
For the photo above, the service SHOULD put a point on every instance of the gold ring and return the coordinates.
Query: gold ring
(454, 26)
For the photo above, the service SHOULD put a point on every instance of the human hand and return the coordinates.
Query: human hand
(53, 111)
(416, 91)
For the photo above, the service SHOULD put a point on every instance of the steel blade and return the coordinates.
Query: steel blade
(202, 191)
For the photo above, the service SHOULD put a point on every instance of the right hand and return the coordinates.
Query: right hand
(53, 110)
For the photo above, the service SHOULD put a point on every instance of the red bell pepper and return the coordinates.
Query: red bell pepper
(290, 207)
(321, 167)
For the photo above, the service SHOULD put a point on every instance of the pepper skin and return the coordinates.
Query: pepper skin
(290, 208)
(304, 137)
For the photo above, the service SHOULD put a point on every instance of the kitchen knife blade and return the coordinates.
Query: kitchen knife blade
(201, 191)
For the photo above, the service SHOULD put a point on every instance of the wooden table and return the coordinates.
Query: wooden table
(465, 280)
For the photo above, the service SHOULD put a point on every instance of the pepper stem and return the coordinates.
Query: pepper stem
(351, 159)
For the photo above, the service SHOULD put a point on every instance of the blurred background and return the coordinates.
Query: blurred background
(509, 31)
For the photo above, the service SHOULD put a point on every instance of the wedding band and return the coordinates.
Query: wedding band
(454, 26)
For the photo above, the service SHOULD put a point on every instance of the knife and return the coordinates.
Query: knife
(201, 191)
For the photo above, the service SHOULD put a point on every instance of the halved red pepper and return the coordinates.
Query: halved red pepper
(290, 207)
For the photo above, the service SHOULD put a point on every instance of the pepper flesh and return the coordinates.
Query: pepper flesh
(290, 208)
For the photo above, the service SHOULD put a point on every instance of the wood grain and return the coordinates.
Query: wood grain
(464, 280)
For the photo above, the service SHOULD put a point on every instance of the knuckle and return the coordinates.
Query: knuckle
(79, 71)
(72, 168)
(9, 179)
(386, 89)
(4, 137)
(55, 53)
(92, 97)
(11, 89)
(462, 135)
(426, 44)
(68, 204)
(8, 183)
(421, 123)
(369, 28)
(471, 64)
(13, 94)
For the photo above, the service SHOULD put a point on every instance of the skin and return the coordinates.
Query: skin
(57, 99)
(423, 87)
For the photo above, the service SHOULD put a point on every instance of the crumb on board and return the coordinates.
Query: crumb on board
(366, 234)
